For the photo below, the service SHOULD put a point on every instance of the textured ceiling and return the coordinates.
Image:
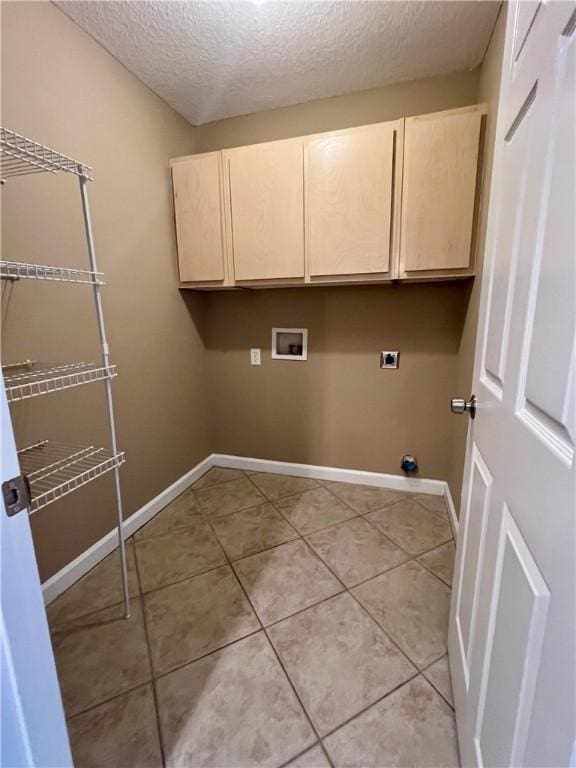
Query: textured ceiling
(211, 60)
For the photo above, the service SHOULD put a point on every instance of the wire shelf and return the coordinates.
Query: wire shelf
(54, 469)
(20, 156)
(13, 270)
(31, 379)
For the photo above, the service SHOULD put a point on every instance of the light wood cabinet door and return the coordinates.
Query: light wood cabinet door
(197, 183)
(350, 201)
(266, 190)
(439, 193)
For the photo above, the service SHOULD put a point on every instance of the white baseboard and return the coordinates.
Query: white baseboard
(60, 581)
(378, 479)
(451, 510)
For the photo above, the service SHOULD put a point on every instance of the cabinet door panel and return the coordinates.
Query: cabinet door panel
(197, 183)
(439, 191)
(267, 210)
(349, 201)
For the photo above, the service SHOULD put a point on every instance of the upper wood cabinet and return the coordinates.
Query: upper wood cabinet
(389, 201)
(266, 186)
(197, 183)
(350, 200)
(439, 193)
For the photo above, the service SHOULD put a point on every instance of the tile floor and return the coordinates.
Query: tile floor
(276, 621)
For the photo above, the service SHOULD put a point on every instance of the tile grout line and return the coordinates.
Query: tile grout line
(354, 516)
(311, 533)
(178, 667)
(438, 691)
(289, 762)
(373, 704)
(349, 591)
(265, 499)
(211, 485)
(363, 607)
(302, 610)
(431, 572)
(112, 698)
(348, 587)
(393, 640)
(326, 753)
(154, 692)
(363, 516)
(266, 549)
(263, 628)
(272, 546)
(408, 496)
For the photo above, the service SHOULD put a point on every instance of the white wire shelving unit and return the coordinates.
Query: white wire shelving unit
(15, 270)
(53, 470)
(32, 379)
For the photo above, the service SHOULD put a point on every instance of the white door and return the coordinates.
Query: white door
(512, 625)
(33, 730)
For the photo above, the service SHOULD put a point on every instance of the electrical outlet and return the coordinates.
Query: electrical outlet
(389, 359)
(255, 357)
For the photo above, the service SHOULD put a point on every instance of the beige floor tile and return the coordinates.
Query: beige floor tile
(99, 588)
(284, 580)
(412, 727)
(217, 475)
(365, 498)
(121, 733)
(312, 510)
(356, 550)
(162, 560)
(339, 660)
(440, 561)
(433, 503)
(196, 616)
(100, 656)
(313, 758)
(413, 606)
(252, 530)
(228, 497)
(411, 526)
(183, 512)
(276, 486)
(439, 675)
(232, 709)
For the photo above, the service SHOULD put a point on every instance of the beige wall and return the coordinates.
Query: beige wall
(415, 97)
(488, 92)
(339, 408)
(62, 88)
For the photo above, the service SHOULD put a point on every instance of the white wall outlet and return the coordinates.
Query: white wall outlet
(389, 359)
(255, 357)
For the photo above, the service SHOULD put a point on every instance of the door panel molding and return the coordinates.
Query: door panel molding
(513, 553)
(471, 542)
